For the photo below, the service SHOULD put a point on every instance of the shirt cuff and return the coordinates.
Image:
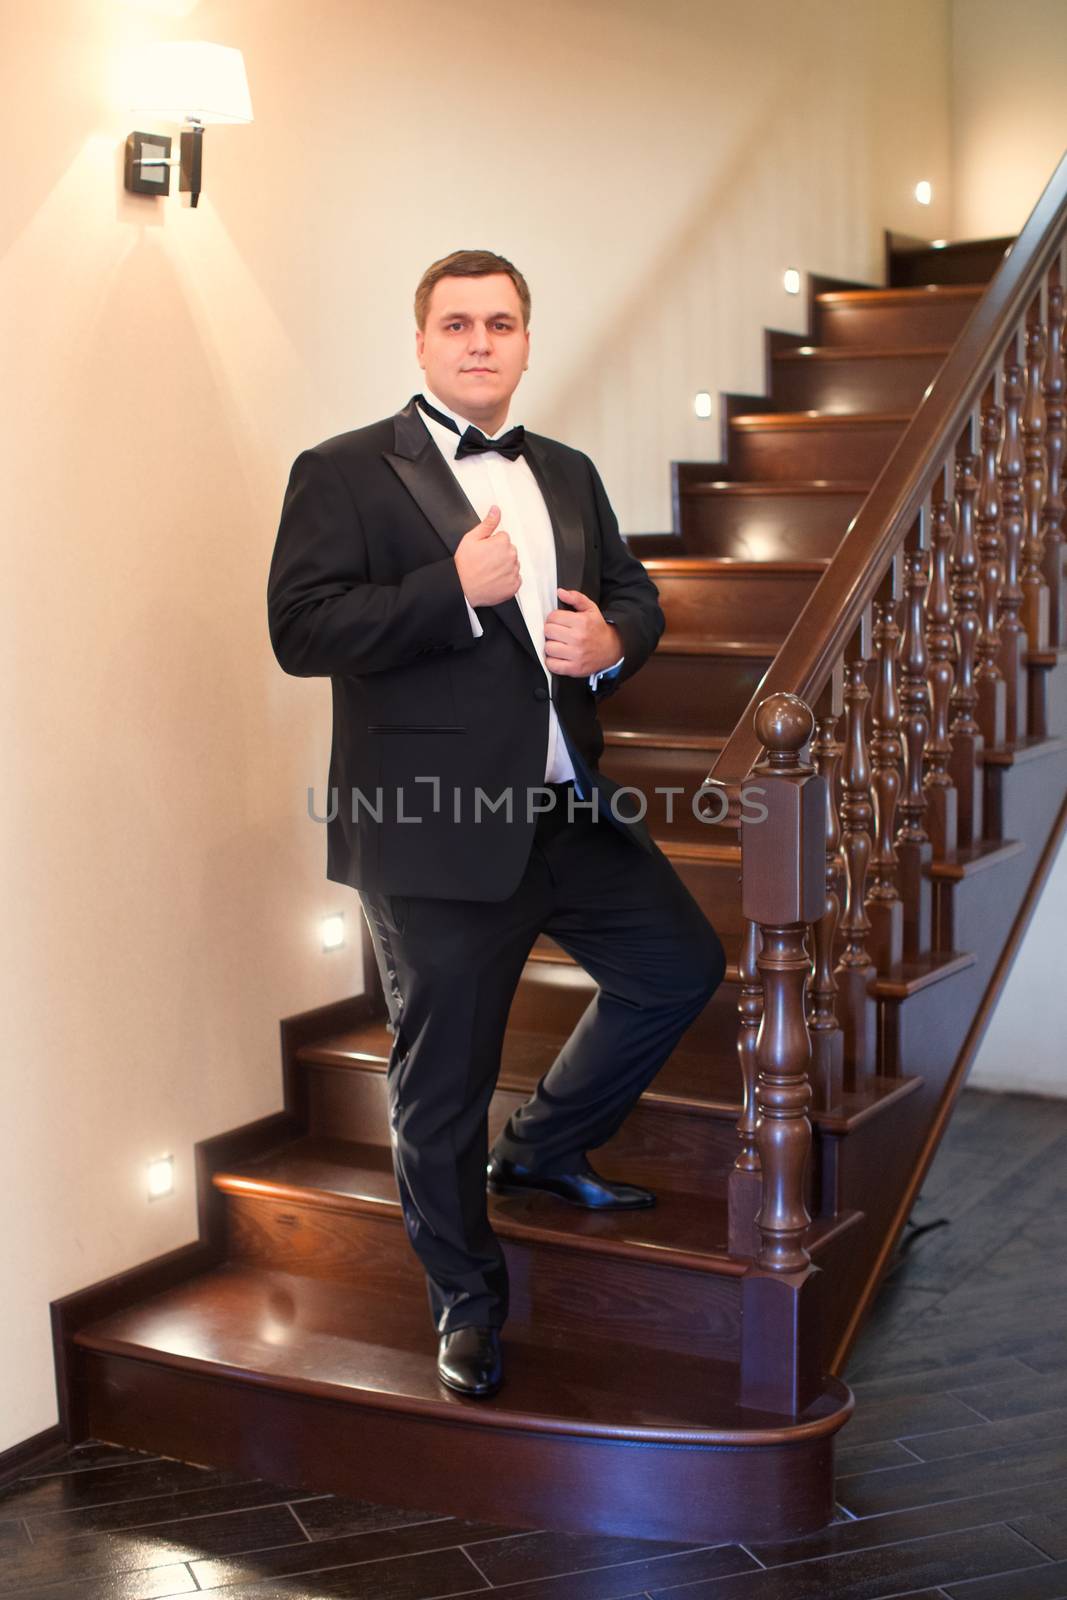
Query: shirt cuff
(605, 672)
(476, 627)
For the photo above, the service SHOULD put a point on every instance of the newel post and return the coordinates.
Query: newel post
(783, 877)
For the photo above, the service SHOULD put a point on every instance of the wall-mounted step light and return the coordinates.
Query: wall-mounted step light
(791, 280)
(702, 404)
(188, 82)
(333, 931)
(160, 1177)
(924, 193)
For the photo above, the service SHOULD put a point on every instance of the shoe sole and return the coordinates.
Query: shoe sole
(472, 1394)
(495, 1187)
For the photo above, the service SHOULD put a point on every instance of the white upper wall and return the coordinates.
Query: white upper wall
(1009, 123)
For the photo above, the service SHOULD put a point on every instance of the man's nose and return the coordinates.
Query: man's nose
(479, 336)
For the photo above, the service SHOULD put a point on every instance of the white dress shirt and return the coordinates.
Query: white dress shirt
(488, 479)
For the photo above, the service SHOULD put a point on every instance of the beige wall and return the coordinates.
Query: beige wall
(1009, 123)
(652, 169)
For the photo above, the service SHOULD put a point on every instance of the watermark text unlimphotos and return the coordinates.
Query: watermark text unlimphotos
(707, 804)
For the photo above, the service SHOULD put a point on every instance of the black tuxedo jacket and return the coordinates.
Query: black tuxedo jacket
(363, 589)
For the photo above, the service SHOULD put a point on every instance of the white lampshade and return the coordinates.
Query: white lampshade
(190, 80)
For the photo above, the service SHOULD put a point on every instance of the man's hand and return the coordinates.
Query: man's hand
(579, 642)
(487, 563)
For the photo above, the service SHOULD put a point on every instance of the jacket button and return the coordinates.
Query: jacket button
(540, 693)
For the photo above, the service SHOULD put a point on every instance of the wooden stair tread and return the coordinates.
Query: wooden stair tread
(858, 352)
(902, 296)
(696, 644)
(653, 740)
(551, 954)
(1028, 748)
(726, 854)
(781, 486)
(909, 977)
(682, 1229)
(345, 1342)
(755, 420)
(730, 566)
(694, 1081)
(965, 861)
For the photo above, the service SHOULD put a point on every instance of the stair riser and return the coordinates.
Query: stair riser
(834, 452)
(653, 771)
(928, 322)
(701, 1495)
(686, 694)
(972, 262)
(1021, 801)
(665, 1308)
(551, 997)
(717, 891)
(697, 1150)
(718, 604)
(770, 527)
(858, 384)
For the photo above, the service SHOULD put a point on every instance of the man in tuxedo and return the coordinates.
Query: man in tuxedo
(465, 587)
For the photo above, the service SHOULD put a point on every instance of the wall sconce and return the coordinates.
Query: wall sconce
(188, 82)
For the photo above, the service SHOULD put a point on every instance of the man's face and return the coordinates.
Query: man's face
(474, 348)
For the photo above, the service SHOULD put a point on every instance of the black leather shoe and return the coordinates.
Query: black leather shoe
(583, 1188)
(469, 1360)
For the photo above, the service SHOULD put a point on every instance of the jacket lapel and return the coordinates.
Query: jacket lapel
(426, 476)
(567, 528)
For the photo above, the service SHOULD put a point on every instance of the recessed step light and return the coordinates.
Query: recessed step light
(160, 1177)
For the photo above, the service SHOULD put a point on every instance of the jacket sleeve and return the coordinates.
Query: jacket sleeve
(628, 598)
(323, 615)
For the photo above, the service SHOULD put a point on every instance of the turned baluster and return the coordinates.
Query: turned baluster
(827, 1039)
(941, 798)
(1032, 579)
(992, 691)
(966, 736)
(783, 882)
(1055, 429)
(744, 1187)
(883, 903)
(1010, 631)
(856, 1009)
(914, 849)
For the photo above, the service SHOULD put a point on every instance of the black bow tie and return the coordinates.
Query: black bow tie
(474, 442)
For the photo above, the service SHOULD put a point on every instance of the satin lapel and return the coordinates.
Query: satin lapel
(424, 473)
(567, 528)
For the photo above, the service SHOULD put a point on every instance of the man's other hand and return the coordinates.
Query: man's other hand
(579, 642)
(487, 562)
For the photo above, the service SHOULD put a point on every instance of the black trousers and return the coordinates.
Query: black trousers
(450, 969)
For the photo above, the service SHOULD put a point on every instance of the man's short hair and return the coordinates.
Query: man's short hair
(468, 264)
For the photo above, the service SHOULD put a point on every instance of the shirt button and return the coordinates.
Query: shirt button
(540, 693)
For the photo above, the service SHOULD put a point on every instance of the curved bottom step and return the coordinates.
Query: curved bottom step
(329, 1387)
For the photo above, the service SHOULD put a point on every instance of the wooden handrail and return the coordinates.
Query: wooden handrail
(834, 609)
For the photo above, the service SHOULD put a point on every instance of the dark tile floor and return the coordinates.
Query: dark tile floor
(952, 1475)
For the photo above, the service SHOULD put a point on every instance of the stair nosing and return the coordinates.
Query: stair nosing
(859, 352)
(753, 421)
(797, 486)
(903, 294)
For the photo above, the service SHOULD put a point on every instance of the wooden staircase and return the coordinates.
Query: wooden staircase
(668, 1375)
